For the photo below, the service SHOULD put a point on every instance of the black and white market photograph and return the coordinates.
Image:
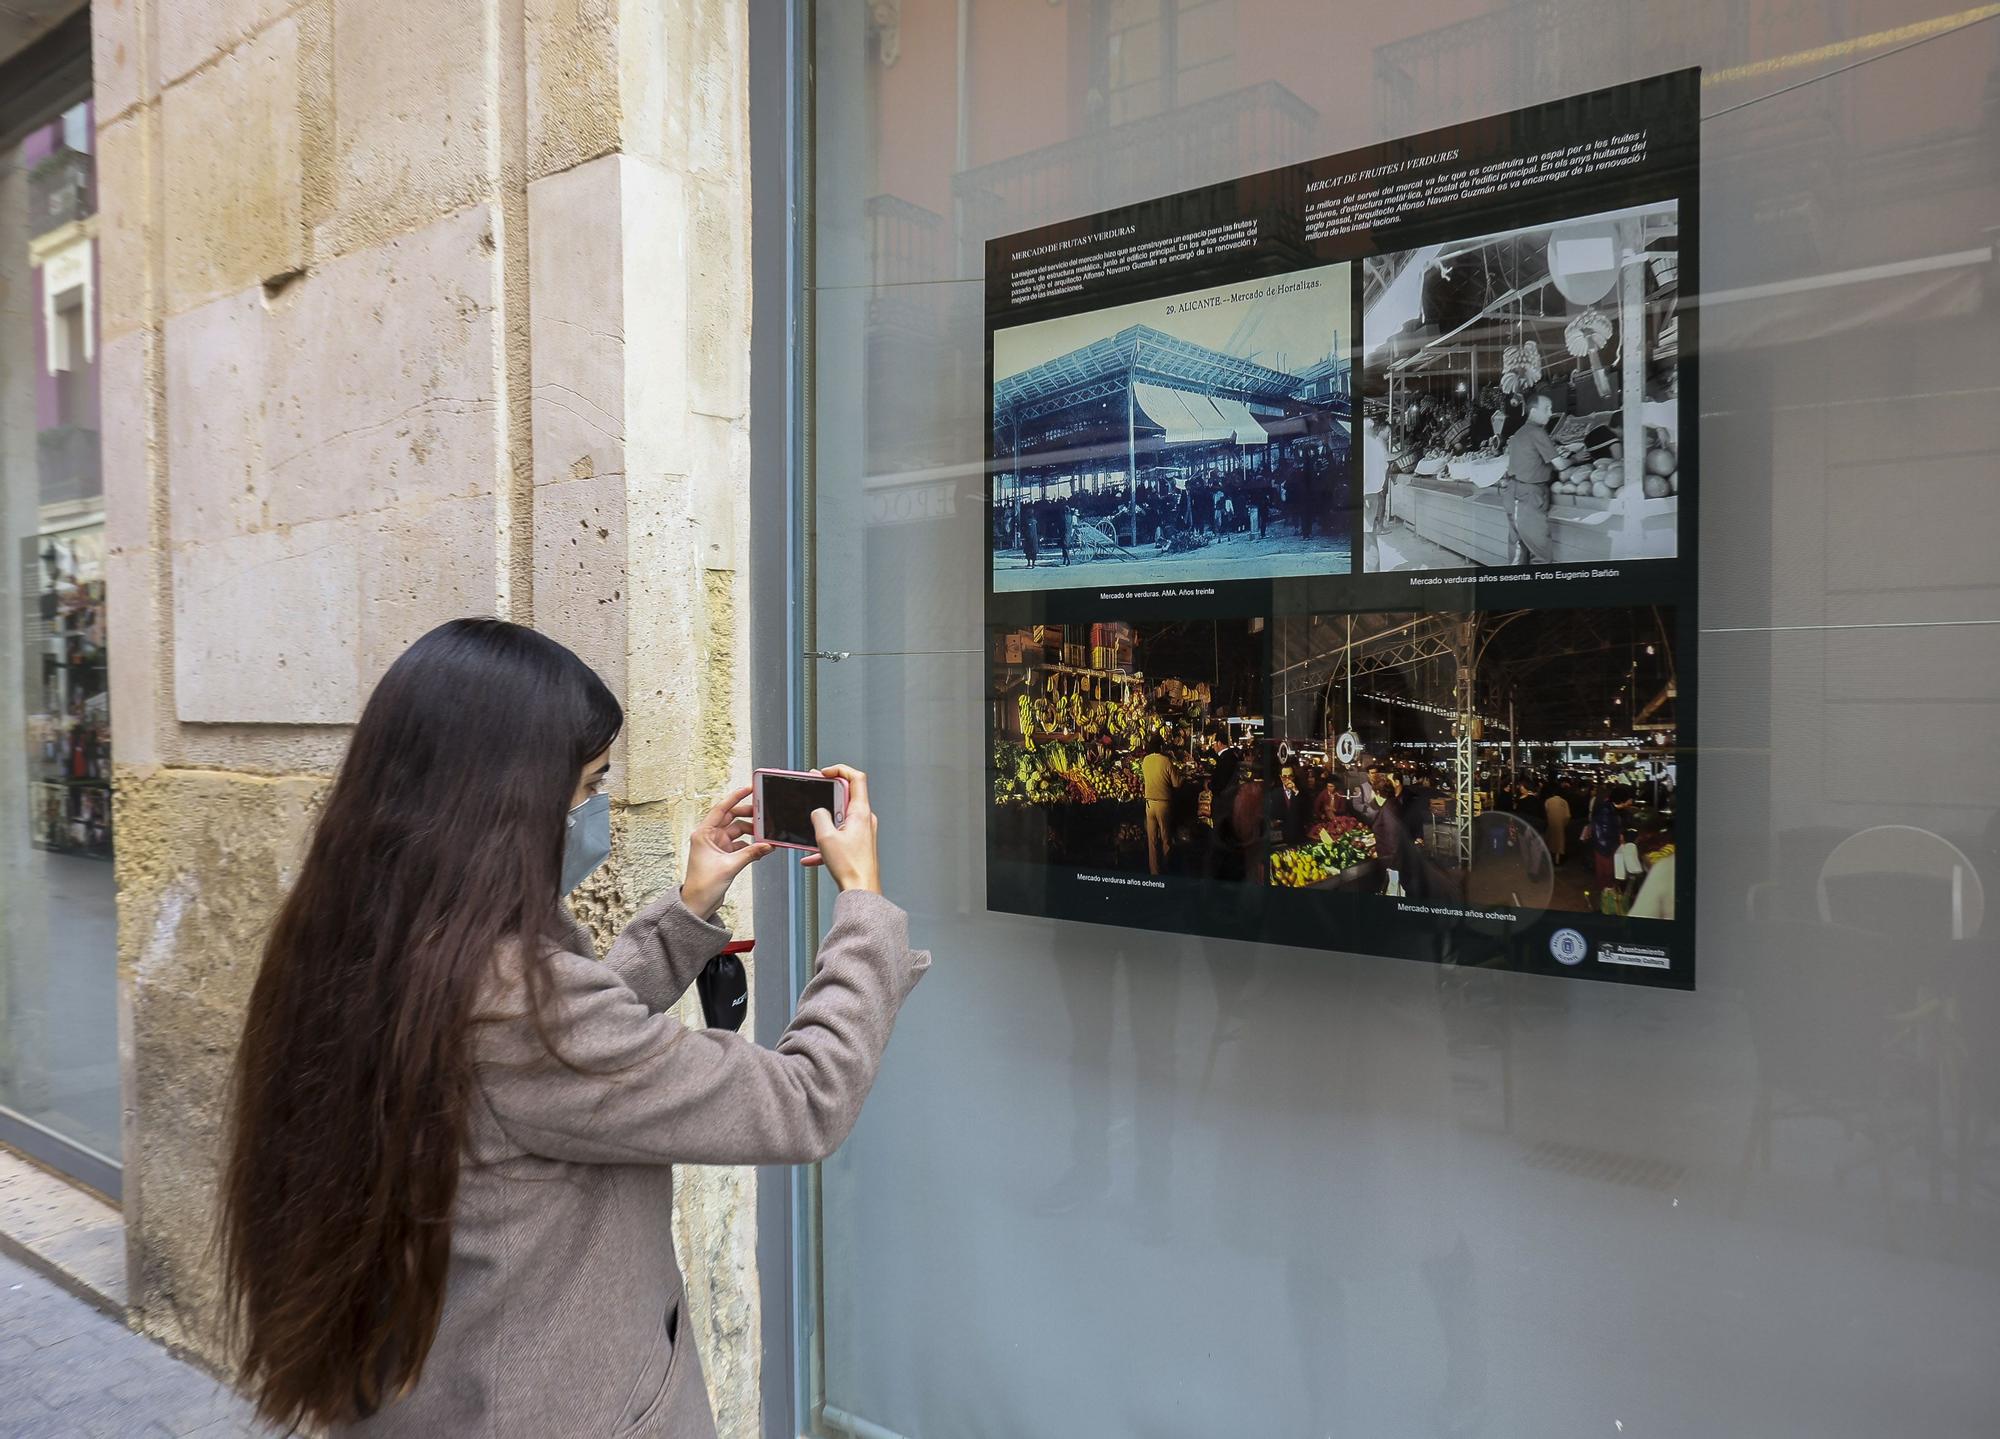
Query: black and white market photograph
(1520, 397)
(1198, 437)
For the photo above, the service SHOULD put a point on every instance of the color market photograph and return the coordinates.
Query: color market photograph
(1130, 747)
(1199, 437)
(1522, 759)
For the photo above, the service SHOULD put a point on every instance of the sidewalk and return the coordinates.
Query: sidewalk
(68, 1370)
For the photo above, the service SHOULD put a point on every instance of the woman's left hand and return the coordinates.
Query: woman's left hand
(718, 851)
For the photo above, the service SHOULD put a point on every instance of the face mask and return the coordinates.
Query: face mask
(587, 842)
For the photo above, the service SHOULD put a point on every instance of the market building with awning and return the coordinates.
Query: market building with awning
(1141, 408)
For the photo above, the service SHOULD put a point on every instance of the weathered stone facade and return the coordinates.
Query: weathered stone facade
(412, 310)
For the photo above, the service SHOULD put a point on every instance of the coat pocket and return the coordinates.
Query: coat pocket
(656, 1374)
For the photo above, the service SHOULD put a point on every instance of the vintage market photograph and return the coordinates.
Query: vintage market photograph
(1522, 758)
(1520, 397)
(1204, 436)
(1130, 747)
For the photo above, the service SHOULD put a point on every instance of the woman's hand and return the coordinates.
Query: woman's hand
(847, 850)
(718, 851)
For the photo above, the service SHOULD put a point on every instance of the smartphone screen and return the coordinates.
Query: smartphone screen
(787, 804)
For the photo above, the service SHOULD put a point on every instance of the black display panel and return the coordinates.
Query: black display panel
(1341, 581)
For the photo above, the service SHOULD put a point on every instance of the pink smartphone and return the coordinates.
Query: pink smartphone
(782, 804)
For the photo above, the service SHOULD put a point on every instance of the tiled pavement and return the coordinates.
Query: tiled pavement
(68, 1370)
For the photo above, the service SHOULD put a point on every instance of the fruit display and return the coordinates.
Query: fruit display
(1082, 735)
(1663, 464)
(1126, 723)
(1586, 332)
(1335, 847)
(1061, 773)
(1603, 477)
(1520, 368)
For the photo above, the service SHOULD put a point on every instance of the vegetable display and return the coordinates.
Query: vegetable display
(1335, 847)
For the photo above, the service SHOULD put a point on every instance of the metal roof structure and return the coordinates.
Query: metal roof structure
(1104, 368)
(1561, 668)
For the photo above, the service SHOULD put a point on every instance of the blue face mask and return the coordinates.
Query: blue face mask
(587, 842)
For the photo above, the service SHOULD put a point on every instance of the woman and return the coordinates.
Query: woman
(448, 1197)
(1403, 871)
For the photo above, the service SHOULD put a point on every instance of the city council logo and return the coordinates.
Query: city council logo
(1568, 946)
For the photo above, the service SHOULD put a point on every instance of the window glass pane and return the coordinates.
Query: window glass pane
(1123, 14)
(1204, 34)
(1122, 1182)
(1136, 55)
(58, 952)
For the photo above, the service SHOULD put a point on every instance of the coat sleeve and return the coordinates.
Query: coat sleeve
(632, 1086)
(662, 950)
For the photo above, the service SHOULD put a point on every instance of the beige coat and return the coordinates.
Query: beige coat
(563, 1310)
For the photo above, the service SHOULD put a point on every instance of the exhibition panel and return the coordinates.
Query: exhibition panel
(1131, 480)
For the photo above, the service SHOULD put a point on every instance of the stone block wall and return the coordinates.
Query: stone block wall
(411, 310)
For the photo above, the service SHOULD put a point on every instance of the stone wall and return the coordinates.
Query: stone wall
(413, 309)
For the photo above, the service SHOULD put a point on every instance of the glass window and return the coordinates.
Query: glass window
(1125, 1182)
(1155, 54)
(59, 1086)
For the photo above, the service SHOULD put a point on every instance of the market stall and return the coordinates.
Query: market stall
(1337, 855)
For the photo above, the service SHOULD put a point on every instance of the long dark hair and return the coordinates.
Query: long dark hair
(440, 844)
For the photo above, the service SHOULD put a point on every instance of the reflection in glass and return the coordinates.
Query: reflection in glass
(1402, 1197)
(58, 1048)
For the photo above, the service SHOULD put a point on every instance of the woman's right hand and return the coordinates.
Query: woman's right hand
(847, 850)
